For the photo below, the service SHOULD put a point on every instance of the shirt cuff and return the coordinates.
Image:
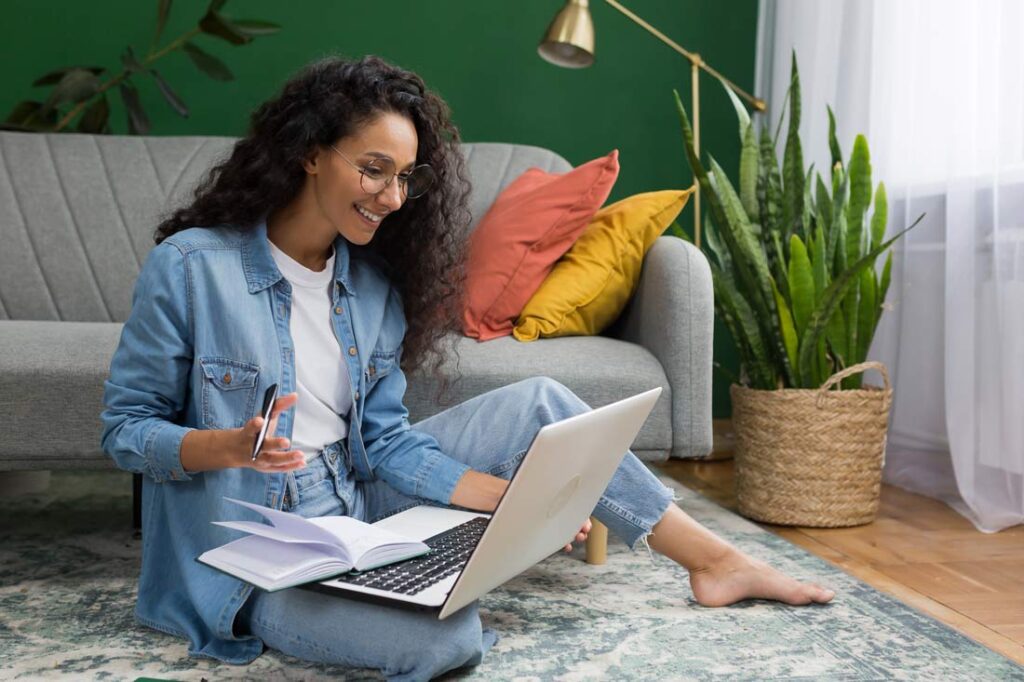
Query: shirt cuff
(163, 452)
(439, 476)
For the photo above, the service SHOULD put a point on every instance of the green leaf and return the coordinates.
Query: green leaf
(801, 288)
(163, 10)
(745, 331)
(793, 163)
(835, 333)
(769, 186)
(749, 173)
(741, 111)
(819, 264)
(96, 116)
(836, 292)
(748, 251)
(138, 122)
(789, 332)
(881, 214)
(255, 28)
(169, 94)
(28, 116)
(822, 204)
(860, 199)
(883, 287)
(714, 243)
(130, 63)
(215, 24)
(867, 313)
(207, 63)
(74, 86)
(833, 143)
(54, 77)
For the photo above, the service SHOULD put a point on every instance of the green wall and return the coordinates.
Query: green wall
(480, 56)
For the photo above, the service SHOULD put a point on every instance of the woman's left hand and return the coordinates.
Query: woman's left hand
(581, 536)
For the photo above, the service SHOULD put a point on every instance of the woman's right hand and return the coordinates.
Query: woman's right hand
(209, 449)
(274, 455)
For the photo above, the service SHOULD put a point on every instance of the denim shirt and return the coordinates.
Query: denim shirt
(207, 334)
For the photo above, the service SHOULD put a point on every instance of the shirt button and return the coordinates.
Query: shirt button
(227, 378)
(352, 350)
(357, 395)
(337, 311)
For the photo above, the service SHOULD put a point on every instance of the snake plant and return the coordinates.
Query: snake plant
(792, 255)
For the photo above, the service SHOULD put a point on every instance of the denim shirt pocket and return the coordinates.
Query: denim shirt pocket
(229, 392)
(381, 364)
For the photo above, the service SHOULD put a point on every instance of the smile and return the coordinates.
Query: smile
(372, 217)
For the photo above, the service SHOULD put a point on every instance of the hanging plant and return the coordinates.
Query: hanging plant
(78, 100)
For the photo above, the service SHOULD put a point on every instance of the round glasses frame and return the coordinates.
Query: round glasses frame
(372, 185)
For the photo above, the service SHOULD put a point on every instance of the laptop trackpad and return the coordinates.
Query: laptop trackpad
(425, 521)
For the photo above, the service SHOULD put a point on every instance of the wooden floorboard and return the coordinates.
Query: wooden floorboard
(918, 550)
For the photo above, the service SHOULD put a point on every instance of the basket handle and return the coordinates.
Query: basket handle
(850, 371)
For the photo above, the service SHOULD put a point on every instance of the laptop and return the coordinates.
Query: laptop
(553, 491)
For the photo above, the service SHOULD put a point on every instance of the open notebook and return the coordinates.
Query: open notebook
(295, 550)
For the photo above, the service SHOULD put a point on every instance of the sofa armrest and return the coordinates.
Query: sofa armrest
(672, 315)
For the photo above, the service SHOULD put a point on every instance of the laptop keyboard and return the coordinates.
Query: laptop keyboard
(449, 552)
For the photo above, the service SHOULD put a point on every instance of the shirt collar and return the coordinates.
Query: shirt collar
(261, 271)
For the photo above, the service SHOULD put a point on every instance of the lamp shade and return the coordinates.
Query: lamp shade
(569, 40)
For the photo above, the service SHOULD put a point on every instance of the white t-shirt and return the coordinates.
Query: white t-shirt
(321, 372)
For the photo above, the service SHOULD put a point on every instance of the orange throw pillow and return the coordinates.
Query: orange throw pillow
(530, 226)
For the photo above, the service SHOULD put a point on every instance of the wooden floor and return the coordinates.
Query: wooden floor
(918, 550)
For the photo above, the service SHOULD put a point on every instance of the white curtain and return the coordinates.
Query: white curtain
(937, 86)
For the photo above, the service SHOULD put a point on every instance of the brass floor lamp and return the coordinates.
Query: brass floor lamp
(569, 42)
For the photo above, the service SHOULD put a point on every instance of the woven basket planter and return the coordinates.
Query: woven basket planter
(811, 457)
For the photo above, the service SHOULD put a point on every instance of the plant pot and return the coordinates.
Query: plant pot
(811, 457)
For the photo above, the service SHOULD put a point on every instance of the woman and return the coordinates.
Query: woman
(334, 229)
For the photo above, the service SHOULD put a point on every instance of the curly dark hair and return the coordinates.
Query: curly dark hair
(423, 243)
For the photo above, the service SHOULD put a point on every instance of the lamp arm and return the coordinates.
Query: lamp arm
(694, 58)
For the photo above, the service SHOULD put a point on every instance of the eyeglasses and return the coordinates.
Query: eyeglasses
(377, 175)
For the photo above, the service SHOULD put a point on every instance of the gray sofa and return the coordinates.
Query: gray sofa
(77, 214)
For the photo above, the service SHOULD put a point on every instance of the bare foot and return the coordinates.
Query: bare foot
(734, 577)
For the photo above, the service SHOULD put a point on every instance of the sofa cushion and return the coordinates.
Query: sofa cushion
(591, 284)
(52, 374)
(51, 392)
(531, 224)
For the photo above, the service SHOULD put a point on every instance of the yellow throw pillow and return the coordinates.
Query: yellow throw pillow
(588, 288)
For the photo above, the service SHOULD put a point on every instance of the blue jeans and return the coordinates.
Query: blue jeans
(490, 433)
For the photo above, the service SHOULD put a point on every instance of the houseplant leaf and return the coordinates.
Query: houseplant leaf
(74, 86)
(880, 216)
(169, 94)
(216, 24)
(837, 291)
(94, 119)
(789, 333)
(792, 163)
(255, 28)
(207, 63)
(53, 77)
(801, 287)
(749, 173)
(163, 10)
(883, 286)
(860, 199)
(833, 143)
(138, 122)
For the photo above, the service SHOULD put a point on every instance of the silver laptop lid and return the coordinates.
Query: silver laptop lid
(555, 489)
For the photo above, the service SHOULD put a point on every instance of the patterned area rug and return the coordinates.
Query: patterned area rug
(68, 566)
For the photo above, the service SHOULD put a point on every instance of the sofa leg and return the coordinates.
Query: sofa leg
(137, 504)
(597, 543)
